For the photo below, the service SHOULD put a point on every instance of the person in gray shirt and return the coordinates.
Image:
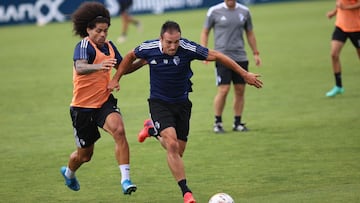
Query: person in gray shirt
(230, 20)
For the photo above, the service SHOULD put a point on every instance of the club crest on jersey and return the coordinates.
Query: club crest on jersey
(241, 16)
(166, 61)
(157, 125)
(176, 60)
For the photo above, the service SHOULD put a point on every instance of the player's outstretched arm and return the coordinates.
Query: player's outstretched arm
(331, 14)
(136, 65)
(348, 7)
(82, 67)
(125, 66)
(250, 78)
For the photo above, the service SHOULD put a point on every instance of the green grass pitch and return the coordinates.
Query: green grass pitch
(302, 147)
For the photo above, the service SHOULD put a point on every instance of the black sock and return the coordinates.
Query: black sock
(237, 120)
(218, 119)
(338, 79)
(184, 188)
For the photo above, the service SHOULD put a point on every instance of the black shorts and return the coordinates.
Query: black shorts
(177, 115)
(224, 76)
(342, 36)
(86, 121)
(125, 5)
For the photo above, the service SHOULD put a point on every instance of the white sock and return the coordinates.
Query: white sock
(125, 172)
(69, 173)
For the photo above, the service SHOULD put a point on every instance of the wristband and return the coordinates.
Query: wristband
(256, 53)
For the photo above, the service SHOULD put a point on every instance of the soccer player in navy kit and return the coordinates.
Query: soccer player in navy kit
(169, 59)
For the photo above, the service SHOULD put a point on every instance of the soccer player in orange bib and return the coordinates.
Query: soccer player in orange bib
(93, 106)
(347, 25)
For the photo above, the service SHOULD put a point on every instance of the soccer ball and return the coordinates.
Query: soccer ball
(221, 198)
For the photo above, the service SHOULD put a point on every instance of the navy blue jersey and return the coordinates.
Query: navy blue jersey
(170, 75)
(85, 51)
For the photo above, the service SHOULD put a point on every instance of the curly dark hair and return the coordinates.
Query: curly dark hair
(87, 15)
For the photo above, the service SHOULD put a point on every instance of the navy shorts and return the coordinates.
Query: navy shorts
(342, 36)
(177, 115)
(86, 121)
(224, 76)
(125, 5)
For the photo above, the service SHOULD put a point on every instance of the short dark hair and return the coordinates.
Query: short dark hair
(170, 26)
(87, 15)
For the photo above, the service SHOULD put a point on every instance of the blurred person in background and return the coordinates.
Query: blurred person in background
(92, 105)
(230, 20)
(126, 19)
(347, 26)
